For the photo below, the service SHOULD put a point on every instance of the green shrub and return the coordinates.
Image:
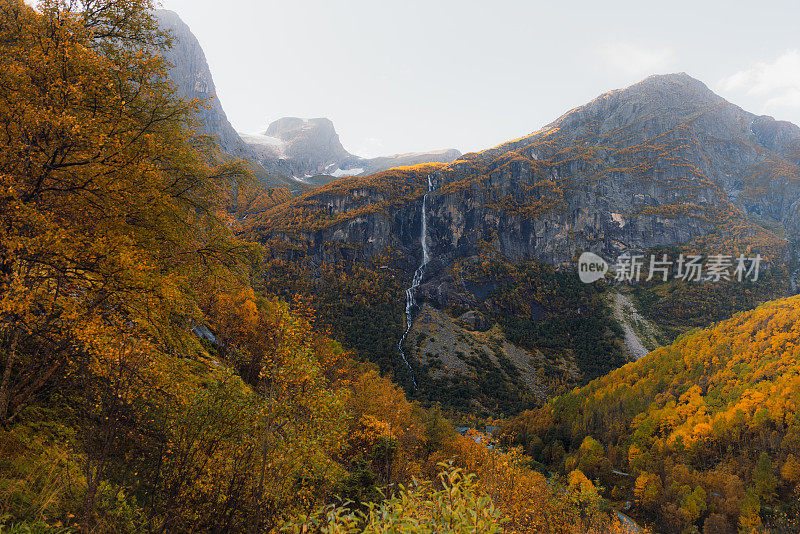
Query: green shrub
(459, 506)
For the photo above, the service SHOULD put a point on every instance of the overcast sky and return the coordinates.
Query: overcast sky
(416, 75)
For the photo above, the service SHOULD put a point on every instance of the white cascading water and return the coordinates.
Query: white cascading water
(411, 301)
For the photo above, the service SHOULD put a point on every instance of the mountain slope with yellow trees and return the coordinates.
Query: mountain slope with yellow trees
(703, 433)
(664, 166)
(147, 384)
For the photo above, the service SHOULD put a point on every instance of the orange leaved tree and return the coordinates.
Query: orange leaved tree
(106, 213)
(105, 194)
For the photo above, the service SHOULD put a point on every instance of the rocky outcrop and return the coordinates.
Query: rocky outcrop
(192, 77)
(299, 147)
(474, 320)
(660, 163)
(310, 150)
(313, 141)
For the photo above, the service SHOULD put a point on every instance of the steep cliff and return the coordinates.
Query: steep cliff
(310, 151)
(663, 163)
(192, 77)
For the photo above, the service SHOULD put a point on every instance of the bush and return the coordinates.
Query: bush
(459, 506)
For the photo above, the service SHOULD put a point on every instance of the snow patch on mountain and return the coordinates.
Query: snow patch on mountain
(338, 173)
(261, 139)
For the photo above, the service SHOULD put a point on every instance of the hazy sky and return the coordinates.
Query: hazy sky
(415, 75)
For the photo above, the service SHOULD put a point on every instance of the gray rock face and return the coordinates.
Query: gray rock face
(299, 147)
(192, 77)
(662, 162)
(305, 148)
(474, 320)
(313, 142)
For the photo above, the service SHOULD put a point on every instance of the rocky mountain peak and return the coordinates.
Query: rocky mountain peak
(669, 89)
(289, 128)
(306, 148)
(675, 80)
(313, 141)
(192, 77)
(667, 99)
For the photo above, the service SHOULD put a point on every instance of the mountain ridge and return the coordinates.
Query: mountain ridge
(311, 148)
(662, 166)
(706, 189)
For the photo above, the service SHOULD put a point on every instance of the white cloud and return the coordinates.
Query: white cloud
(776, 83)
(635, 60)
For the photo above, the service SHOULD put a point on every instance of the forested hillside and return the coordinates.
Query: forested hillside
(703, 434)
(664, 166)
(147, 382)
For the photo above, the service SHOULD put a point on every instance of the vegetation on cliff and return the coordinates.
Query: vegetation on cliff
(147, 382)
(702, 433)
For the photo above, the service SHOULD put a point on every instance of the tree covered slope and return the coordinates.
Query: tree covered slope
(707, 428)
(663, 166)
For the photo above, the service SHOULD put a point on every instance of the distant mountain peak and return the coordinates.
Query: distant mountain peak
(305, 148)
(678, 82)
(288, 128)
(663, 90)
(192, 76)
(673, 77)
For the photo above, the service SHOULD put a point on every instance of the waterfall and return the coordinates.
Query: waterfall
(411, 301)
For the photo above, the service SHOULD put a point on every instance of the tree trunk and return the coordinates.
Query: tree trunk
(5, 385)
(92, 481)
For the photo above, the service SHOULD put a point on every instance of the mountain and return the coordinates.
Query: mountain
(192, 77)
(190, 73)
(383, 163)
(310, 151)
(699, 434)
(298, 147)
(664, 166)
(659, 163)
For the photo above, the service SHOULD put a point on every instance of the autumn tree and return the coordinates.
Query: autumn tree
(106, 210)
(105, 195)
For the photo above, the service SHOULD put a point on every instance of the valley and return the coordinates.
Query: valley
(203, 330)
(597, 179)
